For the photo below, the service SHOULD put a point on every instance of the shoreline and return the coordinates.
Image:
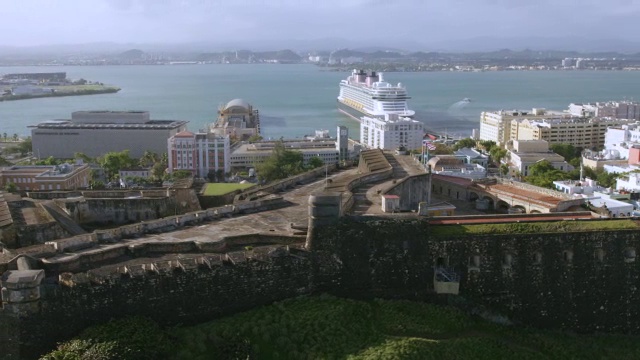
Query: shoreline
(110, 90)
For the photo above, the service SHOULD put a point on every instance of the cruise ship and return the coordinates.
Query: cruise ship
(367, 94)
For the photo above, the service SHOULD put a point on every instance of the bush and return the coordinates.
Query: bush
(130, 338)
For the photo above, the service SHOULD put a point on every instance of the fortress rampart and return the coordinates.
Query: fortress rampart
(583, 281)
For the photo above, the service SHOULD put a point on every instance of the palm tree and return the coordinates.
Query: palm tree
(4, 136)
(15, 137)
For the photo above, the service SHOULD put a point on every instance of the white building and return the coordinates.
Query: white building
(603, 201)
(622, 139)
(391, 132)
(614, 109)
(529, 152)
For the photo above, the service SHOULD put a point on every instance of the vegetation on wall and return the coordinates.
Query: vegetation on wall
(326, 327)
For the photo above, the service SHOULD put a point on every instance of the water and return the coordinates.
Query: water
(295, 100)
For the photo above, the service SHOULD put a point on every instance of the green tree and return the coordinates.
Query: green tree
(540, 168)
(15, 137)
(24, 147)
(4, 162)
(49, 161)
(84, 157)
(567, 151)
(181, 174)
(255, 138)
(487, 145)
(4, 136)
(113, 161)
(148, 159)
(281, 164)
(11, 187)
(497, 154)
(441, 149)
(315, 162)
(464, 143)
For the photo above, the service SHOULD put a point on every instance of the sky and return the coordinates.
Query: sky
(53, 22)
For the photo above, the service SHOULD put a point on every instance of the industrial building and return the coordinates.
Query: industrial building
(95, 133)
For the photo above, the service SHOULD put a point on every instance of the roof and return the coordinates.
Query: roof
(453, 179)
(391, 196)
(237, 102)
(184, 134)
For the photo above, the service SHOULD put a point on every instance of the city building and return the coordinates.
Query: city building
(606, 202)
(46, 177)
(452, 165)
(199, 153)
(496, 125)
(525, 153)
(622, 139)
(614, 109)
(580, 132)
(95, 133)
(599, 159)
(246, 155)
(238, 120)
(473, 156)
(134, 172)
(391, 132)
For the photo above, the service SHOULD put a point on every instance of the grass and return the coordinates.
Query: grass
(535, 227)
(330, 328)
(216, 189)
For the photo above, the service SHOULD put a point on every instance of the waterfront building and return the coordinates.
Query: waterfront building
(496, 125)
(237, 119)
(199, 153)
(613, 109)
(623, 139)
(525, 153)
(577, 131)
(391, 132)
(46, 177)
(95, 133)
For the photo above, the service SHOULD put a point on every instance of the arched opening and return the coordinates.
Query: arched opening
(474, 261)
(502, 206)
(518, 209)
(567, 256)
(535, 212)
(442, 261)
(507, 260)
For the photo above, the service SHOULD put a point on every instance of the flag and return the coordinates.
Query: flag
(428, 144)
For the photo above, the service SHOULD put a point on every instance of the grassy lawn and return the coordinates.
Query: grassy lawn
(216, 189)
(537, 227)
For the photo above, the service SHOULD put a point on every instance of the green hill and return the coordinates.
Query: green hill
(326, 327)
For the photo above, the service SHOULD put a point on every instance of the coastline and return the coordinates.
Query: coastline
(106, 90)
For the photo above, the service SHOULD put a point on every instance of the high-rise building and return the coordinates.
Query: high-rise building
(496, 125)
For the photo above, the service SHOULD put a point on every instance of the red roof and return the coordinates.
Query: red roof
(391, 196)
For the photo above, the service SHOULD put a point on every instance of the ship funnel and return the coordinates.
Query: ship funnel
(380, 78)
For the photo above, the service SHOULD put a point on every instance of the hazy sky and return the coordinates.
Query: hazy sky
(39, 22)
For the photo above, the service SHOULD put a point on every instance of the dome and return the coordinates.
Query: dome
(237, 103)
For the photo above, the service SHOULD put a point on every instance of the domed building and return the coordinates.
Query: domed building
(237, 119)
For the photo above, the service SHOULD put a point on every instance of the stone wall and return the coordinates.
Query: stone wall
(582, 281)
(412, 190)
(184, 292)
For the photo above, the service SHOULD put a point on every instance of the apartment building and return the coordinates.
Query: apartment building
(496, 125)
(199, 153)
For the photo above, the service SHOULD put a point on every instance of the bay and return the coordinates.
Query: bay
(295, 100)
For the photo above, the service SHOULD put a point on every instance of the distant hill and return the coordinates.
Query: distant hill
(131, 54)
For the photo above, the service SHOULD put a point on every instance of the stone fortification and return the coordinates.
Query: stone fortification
(583, 281)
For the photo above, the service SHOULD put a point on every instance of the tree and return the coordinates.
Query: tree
(24, 147)
(11, 187)
(497, 154)
(540, 168)
(464, 143)
(49, 161)
(181, 174)
(84, 157)
(315, 162)
(4, 136)
(487, 145)
(281, 164)
(15, 137)
(255, 138)
(148, 159)
(113, 161)
(567, 151)
(441, 149)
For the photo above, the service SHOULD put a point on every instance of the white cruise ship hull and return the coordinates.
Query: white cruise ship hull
(356, 113)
